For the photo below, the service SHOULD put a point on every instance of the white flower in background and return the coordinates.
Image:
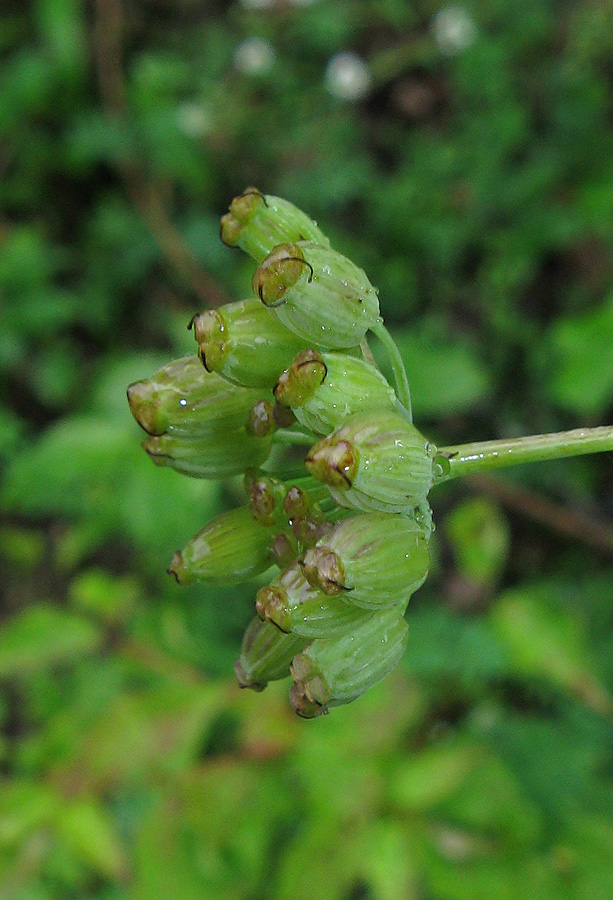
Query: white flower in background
(347, 76)
(254, 56)
(194, 120)
(453, 30)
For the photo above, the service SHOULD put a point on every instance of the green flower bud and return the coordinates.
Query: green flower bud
(317, 293)
(245, 342)
(338, 670)
(218, 453)
(265, 497)
(373, 560)
(232, 548)
(323, 389)
(308, 529)
(293, 605)
(258, 222)
(296, 502)
(185, 399)
(375, 461)
(266, 654)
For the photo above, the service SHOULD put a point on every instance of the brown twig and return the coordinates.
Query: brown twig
(546, 512)
(144, 194)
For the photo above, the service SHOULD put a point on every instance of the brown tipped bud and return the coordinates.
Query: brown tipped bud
(375, 461)
(324, 389)
(338, 670)
(336, 464)
(297, 384)
(324, 570)
(245, 342)
(262, 498)
(145, 404)
(306, 528)
(232, 548)
(317, 293)
(296, 502)
(283, 416)
(211, 336)
(245, 206)
(261, 420)
(259, 222)
(279, 272)
(303, 705)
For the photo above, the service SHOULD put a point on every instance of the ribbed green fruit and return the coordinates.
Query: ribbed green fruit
(375, 461)
(184, 398)
(245, 342)
(336, 671)
(293, 605)
(231, 548)
(324, 389)
(258, 222)
(266, 654)
(372, 560)
(219, 453)
(317, 293)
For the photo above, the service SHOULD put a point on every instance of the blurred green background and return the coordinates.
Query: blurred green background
(463, 155)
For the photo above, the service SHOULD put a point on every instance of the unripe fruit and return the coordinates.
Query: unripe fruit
(317, 293)
(266, 654)
(375, 461)
(258, 222)
(372, 560)
(231, 548)
(336, 671)
(324, 389)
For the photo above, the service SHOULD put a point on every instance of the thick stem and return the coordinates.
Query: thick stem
(464, 459)
(400, 375)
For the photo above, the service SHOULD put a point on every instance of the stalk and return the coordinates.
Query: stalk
(294, 437)
(400, 375)
(482, 456)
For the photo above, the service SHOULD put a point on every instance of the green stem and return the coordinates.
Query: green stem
(464, 459)
(400, 375)
(294, 437)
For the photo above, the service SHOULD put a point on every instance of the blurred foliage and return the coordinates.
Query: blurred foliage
(475, 186)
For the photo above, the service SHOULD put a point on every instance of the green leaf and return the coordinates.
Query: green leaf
(86, 828)
(543, 639)
(43, 636)
(580, 361)
(480, 539)
(446, 376)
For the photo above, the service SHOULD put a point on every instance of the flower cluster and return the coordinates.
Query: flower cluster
(344, 519)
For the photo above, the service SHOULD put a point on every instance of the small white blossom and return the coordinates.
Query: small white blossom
(254, 56)
(453, 30)
(347, 76)
(194, 120)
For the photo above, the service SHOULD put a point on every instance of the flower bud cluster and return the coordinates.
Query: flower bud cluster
(345, 537)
